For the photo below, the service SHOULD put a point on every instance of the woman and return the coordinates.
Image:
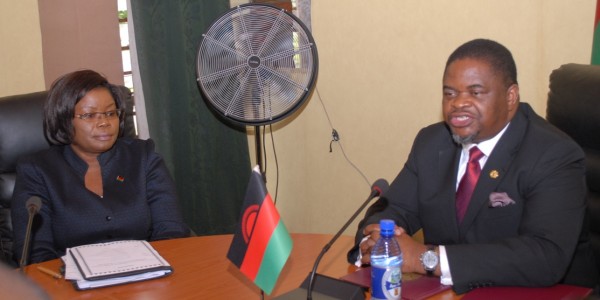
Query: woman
(95, 186)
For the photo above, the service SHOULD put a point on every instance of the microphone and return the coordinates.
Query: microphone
(33, 206)
(379, 187)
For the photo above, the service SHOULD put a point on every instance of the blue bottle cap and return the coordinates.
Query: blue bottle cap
(387, 227)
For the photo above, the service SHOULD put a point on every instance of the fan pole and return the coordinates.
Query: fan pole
(259, 156)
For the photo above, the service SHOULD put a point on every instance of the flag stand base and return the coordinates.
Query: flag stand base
(326, 287)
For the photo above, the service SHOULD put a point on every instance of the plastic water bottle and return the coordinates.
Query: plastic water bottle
(386, 264)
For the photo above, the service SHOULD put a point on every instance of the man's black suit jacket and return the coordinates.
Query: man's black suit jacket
(537, 241)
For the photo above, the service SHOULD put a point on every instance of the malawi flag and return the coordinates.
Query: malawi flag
(596, 42)
(261, 244)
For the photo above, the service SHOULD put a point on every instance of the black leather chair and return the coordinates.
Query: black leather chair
(574, 107)
(21, 133)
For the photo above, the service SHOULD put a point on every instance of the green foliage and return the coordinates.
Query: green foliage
(122, 15)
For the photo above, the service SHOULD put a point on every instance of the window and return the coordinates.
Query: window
(124, 33)
(125, 54)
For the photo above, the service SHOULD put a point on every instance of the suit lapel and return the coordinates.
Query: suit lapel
(497, 165)
(448, 164)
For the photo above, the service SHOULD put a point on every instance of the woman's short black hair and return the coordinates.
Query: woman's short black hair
(498, 56)
(64, 94)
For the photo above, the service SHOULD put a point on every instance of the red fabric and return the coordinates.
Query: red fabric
(267, 220)
(467, 183)
(555, 292)
(596, 39)
(597, 20)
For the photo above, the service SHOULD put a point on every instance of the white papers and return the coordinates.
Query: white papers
(112, 263)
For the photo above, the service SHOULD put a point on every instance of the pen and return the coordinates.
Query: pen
(49, 272)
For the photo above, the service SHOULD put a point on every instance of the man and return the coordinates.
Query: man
(520, 223)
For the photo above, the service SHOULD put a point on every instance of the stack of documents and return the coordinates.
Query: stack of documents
(105, 264)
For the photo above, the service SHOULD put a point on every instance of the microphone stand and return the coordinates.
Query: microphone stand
(31, 210)
(375, 192)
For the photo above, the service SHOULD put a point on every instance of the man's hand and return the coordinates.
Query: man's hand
(372, 232)
(411, 253)
(411, 249)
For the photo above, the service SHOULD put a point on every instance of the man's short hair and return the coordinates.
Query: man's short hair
(498, 56)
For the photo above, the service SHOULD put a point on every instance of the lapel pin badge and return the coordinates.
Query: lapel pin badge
(494, 174)
(120, 178)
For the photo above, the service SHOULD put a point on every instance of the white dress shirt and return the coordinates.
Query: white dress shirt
(486, 148)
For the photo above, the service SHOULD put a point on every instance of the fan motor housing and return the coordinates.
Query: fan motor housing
(254, 61)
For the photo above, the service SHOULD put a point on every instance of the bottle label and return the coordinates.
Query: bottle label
(386, 282)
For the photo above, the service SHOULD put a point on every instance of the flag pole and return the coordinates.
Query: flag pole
(258, 142)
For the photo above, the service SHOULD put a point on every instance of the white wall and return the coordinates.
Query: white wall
(80, 35)
(380, 72)
(76, 34)
(381, 64)
(21, 68)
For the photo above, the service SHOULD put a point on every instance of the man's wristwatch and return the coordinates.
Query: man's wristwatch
(429, 260)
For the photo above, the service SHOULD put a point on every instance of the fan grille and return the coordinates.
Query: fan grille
(256, 64)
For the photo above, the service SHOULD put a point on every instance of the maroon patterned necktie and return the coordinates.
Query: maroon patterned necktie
(467, 183)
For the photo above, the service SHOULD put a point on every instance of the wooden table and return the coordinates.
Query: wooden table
(202, 271)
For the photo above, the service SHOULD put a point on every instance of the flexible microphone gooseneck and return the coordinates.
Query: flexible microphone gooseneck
(379, 187)
(33, 206)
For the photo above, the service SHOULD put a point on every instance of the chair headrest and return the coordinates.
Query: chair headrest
(20, 128)
(574, 103)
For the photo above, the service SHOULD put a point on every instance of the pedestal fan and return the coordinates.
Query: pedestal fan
(256, 65)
